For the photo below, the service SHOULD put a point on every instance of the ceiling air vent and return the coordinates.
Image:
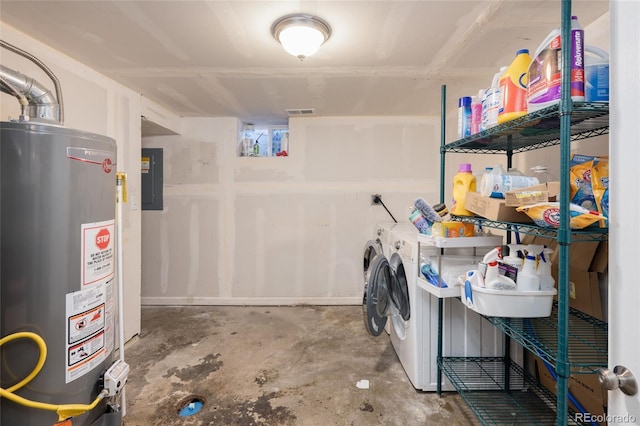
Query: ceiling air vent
(295, 112)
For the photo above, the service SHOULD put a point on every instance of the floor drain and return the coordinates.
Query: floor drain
(190, 406)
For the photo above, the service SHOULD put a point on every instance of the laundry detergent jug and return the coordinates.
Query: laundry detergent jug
(596, 75)
(545, 72)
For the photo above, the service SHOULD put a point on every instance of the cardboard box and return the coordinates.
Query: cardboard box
(584, 294)
(525, 197)
(581, 253)
(584, 291)
(585, 388)
(553, 188)
(600, 261)
(532, 194)
(494, 209)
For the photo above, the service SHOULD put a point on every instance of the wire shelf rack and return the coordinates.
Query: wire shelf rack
(588, 346)
(593, 233)
(501, 394)
(538, 129)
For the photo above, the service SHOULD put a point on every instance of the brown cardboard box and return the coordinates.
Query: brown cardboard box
(532, 194)
(600, 260)
(585, 388)
(493, 209)
(584, 291)
(525, 197)
(553, 188)
(581, 253)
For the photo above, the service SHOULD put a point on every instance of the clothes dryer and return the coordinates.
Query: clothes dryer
(391, 295)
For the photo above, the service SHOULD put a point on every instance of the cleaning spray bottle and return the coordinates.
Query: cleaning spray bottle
(492, 273)
(513, 257)
(547, 282)
(528, 278)
(494, 255)
(511, 263)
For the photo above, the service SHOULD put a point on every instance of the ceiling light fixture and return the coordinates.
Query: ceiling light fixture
(301, 35)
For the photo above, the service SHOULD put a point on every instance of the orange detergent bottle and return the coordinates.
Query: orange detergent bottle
(513, 86)
(464, 181)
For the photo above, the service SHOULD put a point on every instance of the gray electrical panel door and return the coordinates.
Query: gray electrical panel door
(151, 168)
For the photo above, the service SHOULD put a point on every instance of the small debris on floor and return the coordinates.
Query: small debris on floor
(362, 384)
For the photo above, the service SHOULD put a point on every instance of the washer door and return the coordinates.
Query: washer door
(371, 249)
(399, 290)
(376, 295)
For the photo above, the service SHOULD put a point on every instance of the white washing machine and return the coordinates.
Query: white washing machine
(392, 297)
(378, 246)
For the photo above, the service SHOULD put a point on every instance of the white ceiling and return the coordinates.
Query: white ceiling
(218, 58)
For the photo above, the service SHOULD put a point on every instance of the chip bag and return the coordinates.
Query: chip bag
(547, 215)
(581, 190)
(600, 184)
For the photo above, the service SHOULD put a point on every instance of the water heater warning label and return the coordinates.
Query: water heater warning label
(85, 351)
(86, 323)
(97, 252)
(86, 330)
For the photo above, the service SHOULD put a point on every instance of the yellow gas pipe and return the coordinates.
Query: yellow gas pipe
(64, 411)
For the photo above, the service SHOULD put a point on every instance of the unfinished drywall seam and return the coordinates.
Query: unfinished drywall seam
(165, 251)
(300, 250)
(227, 144)
(194, 248)
(333, 250)
(259, 263)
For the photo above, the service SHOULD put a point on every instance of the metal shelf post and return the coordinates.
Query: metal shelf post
(564, 235)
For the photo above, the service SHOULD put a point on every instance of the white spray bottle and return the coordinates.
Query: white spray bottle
(547, 282)
(528, 279)
(511, 264)
(513, 259)
(494, 255)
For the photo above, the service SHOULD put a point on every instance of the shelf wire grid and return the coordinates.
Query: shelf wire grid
(536, 130)
(592, 233)
(588, 338)
(483, 384)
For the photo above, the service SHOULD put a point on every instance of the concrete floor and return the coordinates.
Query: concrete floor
(265, 365)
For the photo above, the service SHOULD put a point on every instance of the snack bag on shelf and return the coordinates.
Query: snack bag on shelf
(580, 174)
(600, 184)
(548, 215)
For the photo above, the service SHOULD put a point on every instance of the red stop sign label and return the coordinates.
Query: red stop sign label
(102, 239)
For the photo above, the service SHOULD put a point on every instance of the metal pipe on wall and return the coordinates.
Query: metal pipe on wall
(43, 67)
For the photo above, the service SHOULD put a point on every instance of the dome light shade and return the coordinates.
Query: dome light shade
(301, 35)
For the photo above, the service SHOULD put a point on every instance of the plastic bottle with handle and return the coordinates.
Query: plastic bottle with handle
(463, 182)
(513, 88)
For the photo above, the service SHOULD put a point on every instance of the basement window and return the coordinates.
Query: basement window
(264, 141)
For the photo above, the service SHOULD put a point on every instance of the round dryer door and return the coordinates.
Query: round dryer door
(399, 289)
(371, 249)
(376, 295)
